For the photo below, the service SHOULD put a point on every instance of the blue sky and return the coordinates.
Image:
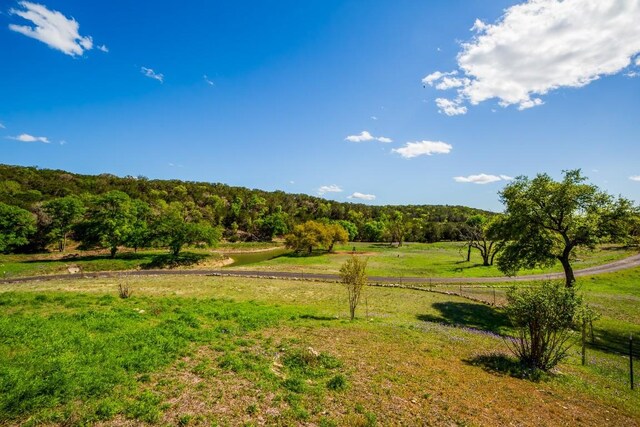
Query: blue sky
(411, 102)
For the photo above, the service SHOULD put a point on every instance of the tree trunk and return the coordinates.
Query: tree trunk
(568, 271)
(485, 259)
(114, 249)
(468, 253)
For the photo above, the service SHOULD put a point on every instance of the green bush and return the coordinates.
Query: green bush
(543, 317)
(337, 383)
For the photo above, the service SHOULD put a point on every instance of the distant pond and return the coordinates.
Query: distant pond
(246, 258)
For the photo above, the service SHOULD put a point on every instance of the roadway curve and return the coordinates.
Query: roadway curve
(623, 264)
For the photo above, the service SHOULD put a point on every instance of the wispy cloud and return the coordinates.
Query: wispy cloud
(365, 136)
(25, 137)
(208, 81)
(103, 48)
(361, 196)
(152, 74)
(374, 117)
(329, 189)
(450, 107)
(2, 126)
(539, 46)
(52, 28)
(635, 178)
(423, 148)
(482, 178)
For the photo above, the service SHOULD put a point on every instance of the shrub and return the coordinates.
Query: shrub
(337, 383)
(124, 291)
(543, 316)
(354, 278)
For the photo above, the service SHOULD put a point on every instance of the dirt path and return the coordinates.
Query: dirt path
(623, 264)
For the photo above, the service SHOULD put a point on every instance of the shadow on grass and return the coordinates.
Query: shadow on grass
(506, 365)
(477, 316)
(303, 254)
(184, 259)
(128, 256)
(315, 317)
(615, 342)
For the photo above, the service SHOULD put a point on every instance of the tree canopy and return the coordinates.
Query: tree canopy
(546, 220)
(16, 225)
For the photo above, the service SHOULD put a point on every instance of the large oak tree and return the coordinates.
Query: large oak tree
(546, 220)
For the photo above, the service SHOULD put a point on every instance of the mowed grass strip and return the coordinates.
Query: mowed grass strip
(282, 352)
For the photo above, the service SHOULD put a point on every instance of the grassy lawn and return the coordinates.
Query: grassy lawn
(232, 351)
(447, 259)
(413, 259)
(91, 261)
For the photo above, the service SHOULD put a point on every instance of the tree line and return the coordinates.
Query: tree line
(237, 213)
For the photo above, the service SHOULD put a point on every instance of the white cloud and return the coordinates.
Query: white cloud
(208, 81)
(25, 137)
(365, 136)
(449, 107)
(374, 118)
(52, 28)
(435, 76)
(423, 148)
(451, 82)
(539, 46)
(361, 196)
(103, 48)
(635, 178)
(482, 178)
(329, 189)
(292, 182)
(63, 142)
(152, 74)
(2, 126)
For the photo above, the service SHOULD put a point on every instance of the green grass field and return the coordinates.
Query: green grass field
(232, 351)
(447, 259)
(412, 259)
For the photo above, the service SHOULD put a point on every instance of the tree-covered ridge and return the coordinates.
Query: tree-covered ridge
(242, 213)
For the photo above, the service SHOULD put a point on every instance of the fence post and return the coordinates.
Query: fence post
(494, 296)
(584, 342)
(631, 360)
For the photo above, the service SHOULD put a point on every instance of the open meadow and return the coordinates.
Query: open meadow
(444, 259)
(237, 351)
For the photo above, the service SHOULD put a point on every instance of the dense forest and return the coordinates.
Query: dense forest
(236, 213)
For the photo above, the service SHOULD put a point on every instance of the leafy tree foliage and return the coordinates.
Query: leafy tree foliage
(64, 214)
(373, 231)
(272, 225)
(336, 234)
(179, 225)
(350, 227)
(141, 234)
(111, 221)
(546, 220)
(305, 237)
(16, 225)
